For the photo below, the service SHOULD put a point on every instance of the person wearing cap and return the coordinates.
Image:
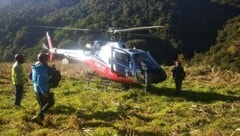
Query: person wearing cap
(178, 75)
(41, 73)
(18, 78)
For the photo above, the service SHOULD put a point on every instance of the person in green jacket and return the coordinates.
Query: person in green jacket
(18, 78)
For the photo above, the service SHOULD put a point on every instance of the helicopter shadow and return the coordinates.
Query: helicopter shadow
(191, 95)
(63, 109)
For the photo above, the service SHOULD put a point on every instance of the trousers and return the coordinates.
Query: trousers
(18, 94)
(45, 103)
(178, 84)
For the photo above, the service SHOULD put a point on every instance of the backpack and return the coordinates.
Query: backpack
(54, 78)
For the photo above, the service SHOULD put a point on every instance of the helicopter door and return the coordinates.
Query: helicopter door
(120, 62)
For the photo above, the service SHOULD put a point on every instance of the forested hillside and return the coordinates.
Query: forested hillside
(226, 52)
(4, 3)
(191, 26)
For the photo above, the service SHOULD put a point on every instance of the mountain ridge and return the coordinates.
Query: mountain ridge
(190, 26)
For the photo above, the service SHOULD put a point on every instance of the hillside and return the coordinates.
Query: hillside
(190, 26)
(208, 105)
(4, 3)
(225, 53)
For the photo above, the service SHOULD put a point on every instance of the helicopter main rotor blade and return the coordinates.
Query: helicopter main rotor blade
(141, 35)
(110, 30)
(133, 29)
(45, 46)
(63, 28)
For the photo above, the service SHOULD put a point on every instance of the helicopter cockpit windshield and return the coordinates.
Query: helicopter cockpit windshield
(132, 60)
(137, 65)
(144, 61)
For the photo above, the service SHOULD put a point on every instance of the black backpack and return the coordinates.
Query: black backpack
(54, 78)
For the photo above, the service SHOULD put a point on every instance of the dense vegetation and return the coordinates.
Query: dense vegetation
(4, 3)
(191, 27)
(209, 105)
(226, 53)
(204, 33)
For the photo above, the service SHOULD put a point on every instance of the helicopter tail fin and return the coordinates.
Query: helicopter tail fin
(52, 51)
(50, 43)
(51, 57)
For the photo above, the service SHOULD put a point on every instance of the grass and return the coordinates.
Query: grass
(208, 105)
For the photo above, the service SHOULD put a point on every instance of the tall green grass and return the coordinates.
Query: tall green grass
(208, 105)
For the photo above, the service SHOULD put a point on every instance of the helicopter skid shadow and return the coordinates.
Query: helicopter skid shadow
(196, 96)
(103, 84)
(95, 82)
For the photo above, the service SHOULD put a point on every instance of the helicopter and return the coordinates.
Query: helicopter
(111, 60)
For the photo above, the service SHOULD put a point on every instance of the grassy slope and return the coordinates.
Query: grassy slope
(208, 105)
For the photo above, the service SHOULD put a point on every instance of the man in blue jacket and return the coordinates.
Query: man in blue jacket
(41, 73)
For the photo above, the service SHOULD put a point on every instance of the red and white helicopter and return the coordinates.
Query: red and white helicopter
(113, 61)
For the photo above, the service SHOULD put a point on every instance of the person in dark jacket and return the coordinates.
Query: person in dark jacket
(41, 73)
(178, 75)
(18, 78)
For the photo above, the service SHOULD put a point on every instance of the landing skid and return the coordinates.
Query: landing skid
(94, 82)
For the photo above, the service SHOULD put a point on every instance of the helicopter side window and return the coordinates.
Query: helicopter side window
(122, 59)
(121, 63)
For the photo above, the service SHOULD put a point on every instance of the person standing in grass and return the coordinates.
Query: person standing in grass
(178, 75)
(18, 78)
(41, 73)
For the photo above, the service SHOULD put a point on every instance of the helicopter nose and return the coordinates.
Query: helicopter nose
(156, 75)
